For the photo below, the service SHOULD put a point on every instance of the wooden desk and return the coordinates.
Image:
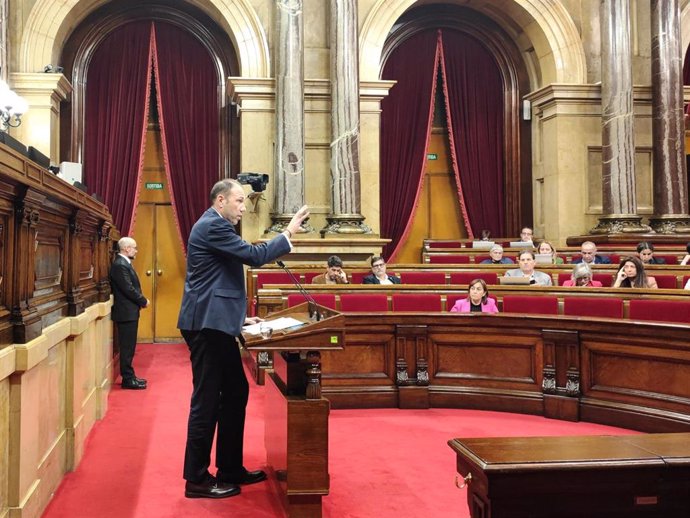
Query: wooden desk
(569, 477)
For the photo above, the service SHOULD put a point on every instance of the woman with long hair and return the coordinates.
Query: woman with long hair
(631, 274)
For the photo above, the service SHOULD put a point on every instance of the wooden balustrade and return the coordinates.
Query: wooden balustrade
(55, 243)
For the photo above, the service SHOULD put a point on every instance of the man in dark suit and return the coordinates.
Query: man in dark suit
(125, 313)
(211, 318)
(588, 254)
(378, 273)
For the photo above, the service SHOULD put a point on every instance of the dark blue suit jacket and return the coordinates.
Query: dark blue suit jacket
(214, 289)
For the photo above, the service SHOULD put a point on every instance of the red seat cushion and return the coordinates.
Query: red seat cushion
(272, 278)
(309, 276)
(670, 259)
(667, 282)
(423, 277)
(322, 299)
(416, 302)
(449, 259)
(662, 310)
(362, 302)
(467, 277)
(593, 307)
(358, 277)
(526, 304)
(606, 279)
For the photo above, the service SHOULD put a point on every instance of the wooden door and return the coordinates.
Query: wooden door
(160, 261)
(160, 265)
(437, 215)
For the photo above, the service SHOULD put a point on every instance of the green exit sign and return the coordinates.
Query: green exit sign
(432, 156)
(154, 185)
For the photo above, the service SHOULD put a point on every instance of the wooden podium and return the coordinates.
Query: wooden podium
(296, 415)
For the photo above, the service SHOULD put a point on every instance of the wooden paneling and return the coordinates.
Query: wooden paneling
(55, 243)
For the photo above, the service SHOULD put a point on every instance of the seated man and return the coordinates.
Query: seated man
(496, 253)
(378, 273)
(526, 234)
(527, 262)
(588, 251)
(334, 273)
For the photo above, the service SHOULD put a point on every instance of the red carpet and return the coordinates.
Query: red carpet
(384, 463)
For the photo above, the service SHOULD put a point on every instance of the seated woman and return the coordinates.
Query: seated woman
(477, 300)
(631, 274)
(545, 247)
(582, 276)
(378, 273)
(645, 251)
(496, 256)
(527, 263)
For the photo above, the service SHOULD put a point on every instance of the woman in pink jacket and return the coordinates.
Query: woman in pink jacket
(477, 301)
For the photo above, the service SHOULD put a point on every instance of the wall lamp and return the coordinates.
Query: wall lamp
(12, 107)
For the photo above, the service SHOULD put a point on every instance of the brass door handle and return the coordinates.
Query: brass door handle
(148, 273)
(159, 272)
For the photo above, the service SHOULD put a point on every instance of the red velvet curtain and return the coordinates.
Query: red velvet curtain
(473, 89)
(187, 86)
(406, 117)
(116, 113)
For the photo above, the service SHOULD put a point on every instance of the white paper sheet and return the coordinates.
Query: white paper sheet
(275, 324)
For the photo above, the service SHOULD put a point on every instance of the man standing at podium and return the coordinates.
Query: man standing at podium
(211, 318)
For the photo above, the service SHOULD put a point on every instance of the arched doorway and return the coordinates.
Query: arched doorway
(511, 142)
(163, 173)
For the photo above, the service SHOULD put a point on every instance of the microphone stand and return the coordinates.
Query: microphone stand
(313, 307)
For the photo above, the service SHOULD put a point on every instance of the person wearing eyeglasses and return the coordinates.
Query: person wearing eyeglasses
(128, 301)
(378, 273)
(582, 277)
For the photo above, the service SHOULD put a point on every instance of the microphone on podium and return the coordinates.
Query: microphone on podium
(313, 307)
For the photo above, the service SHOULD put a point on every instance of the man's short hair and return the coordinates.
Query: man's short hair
(223, 187)
(377, 258)
(588, 243)
(334, 260)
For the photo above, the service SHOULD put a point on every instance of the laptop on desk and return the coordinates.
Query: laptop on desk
(543, 258)
(521, 244)
(515, 281)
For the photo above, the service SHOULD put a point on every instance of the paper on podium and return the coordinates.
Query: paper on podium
(276, 324)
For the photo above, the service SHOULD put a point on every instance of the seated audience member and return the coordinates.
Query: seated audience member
(378, 273)
(477, 300)
(526, 234)
(544, 247)
(588, 251)
(334, 274)
(496, 253)
(527, 262)
(631, 274)
(686, 259)
(645, 251)
(582, 276)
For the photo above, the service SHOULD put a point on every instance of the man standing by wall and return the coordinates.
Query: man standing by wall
(213, 312)
(128, 302)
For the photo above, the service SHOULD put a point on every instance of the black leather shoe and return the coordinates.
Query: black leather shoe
(141, 380)
(211, 488)
(248, 477)
(133, 384)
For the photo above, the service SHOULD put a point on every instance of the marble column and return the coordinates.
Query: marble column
(4, 38)
(668, 131)
(617, 120)
(288, 170)
(345, 217)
